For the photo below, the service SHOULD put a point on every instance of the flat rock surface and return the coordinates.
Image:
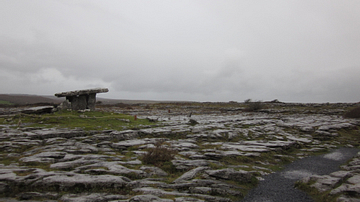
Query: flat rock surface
(219, 154)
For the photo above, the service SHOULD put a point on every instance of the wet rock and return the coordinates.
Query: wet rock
(343, 182)
(298, 174)
(230, 174)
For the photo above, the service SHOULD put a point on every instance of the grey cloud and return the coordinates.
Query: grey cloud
(190, 50)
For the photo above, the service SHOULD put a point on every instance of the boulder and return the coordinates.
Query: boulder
(38, 110)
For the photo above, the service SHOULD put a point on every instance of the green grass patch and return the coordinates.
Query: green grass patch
(244, 187)
(3, 102)
(93, 120)
(9, 160)
(44, 166)
(349, 136)
(237, 160)
(24, 172)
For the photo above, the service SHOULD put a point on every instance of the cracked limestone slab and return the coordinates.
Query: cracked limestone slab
(86, 197)
(135, 142)
(68, 181)
(325, 183)
(230, 174)
(148, 198)
(186, 164)
(190, 174)
(44, 157)
(111, 168)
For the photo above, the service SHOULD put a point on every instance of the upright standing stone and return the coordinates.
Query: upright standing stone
(82, 99)
(91, 101)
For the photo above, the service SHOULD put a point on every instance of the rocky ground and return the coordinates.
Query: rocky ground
(343, 184)
(220, 153)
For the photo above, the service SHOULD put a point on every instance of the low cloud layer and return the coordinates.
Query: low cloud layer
(298, 51)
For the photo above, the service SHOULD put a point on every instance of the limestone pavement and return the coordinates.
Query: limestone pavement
(216, 159)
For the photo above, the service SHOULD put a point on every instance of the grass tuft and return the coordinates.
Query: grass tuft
(92, 120)
(253, 106)
(159, 156)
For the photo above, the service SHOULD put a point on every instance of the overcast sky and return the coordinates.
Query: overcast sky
(195, 50)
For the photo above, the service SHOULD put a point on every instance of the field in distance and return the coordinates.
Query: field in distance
(24, 99)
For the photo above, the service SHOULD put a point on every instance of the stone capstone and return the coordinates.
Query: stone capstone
(82, 99)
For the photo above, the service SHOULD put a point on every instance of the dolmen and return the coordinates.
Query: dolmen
(82, 99)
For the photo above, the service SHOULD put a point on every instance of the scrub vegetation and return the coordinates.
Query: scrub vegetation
(353, 113)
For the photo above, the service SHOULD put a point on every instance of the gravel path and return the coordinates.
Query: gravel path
(279, 186)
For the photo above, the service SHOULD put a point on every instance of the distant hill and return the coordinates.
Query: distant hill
(115, 101)
(23, 99)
